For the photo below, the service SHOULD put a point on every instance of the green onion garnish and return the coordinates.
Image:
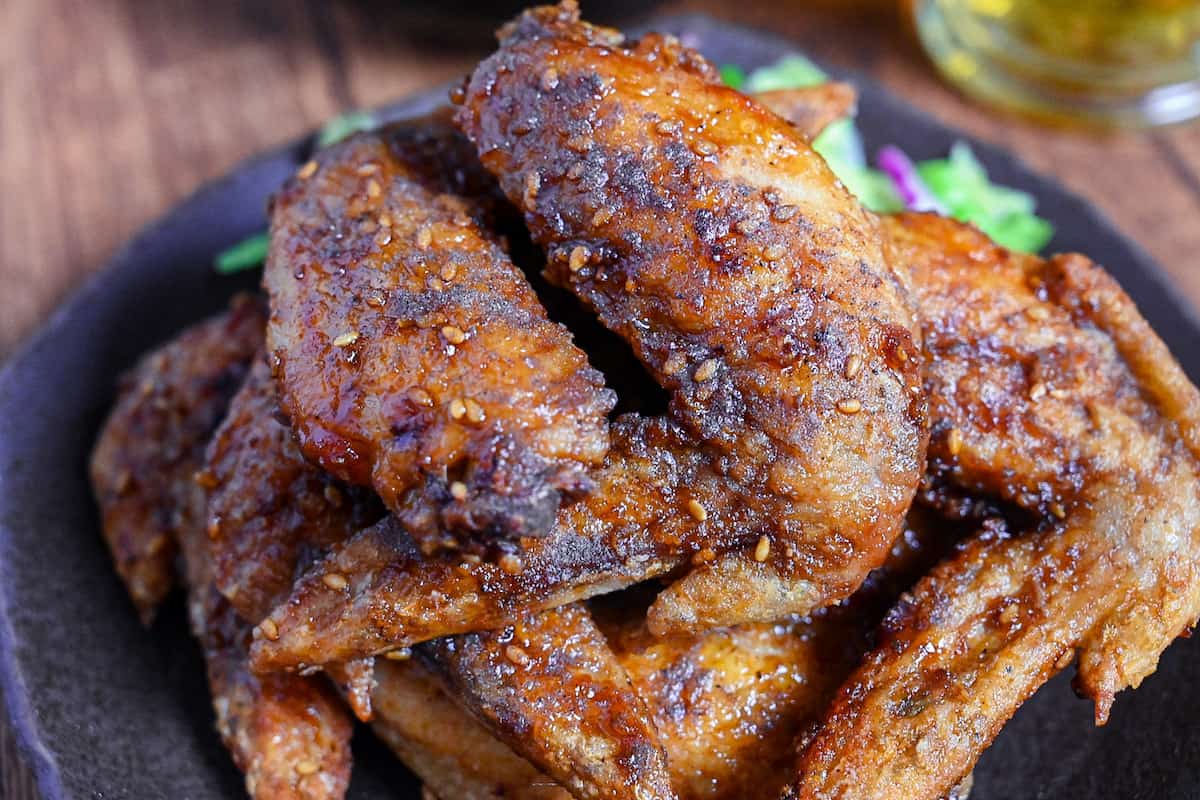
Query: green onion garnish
(246, 254)
(342, 126)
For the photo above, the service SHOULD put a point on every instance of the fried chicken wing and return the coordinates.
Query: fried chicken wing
(412, 356)
(796, 432)
(167, 407)
(288, 734)
(270, 512)
(550, 687)
(1051, 393)
(728, 703)
(707, 233)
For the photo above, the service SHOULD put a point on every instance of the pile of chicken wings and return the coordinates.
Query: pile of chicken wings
(592, 441)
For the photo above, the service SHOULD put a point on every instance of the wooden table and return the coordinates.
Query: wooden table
(113, 110)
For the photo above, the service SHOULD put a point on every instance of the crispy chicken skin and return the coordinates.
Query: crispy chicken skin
(270, 512)
(707, 233)
(796, 434)
(1050, 392)
(728, 703)
(412, 356)
(290, 735)
(548, 685)
(551, 688)
(167, 407)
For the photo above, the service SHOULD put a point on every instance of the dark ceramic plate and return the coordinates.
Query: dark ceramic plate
(105, 709)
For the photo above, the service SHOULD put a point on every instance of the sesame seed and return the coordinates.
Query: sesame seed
(549, 79)
(901, 354)
(424, 236)
(602, 217)
(675, 363)
(375, 299)
(374, 190)
(458, 490)
(762, 549)
(699, 512)
(385, 219)
(853, 366)
(307, 171)
(581, 143)
(747, 226)
(335, 581)
(706, 370)
(1037, 391)
(704, 147)
(1038, 313)
(213, 528)
(666, 127)
(511, 564)
(1065, 659)
(453, 334)
(1059, 394)
(474, 411)
(954, 441)
(458, 95)
(436, 284)
(383, 237)
(269, 629)
(458, 409)
(784, 213)
(774, 252)
(367, 169)
(399, 654)
(202, 478)
(704, 556)
(1057, 510)
(849, 406)
(306, 767)
(333, 495)
(517, 656)
(346, 339)
(578, 258)
(533, 182)
(448, 271)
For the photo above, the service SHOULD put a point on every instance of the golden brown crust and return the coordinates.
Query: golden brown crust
(1049, 392)
(550, 687)
(449, 750)
(727, 703)
(412, 356)
(703, 229)
(288, 734)
(270, 513)
(153, 440)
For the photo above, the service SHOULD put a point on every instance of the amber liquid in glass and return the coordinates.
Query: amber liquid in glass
(1125, 62)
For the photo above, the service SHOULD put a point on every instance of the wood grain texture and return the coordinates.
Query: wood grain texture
(113, 110)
